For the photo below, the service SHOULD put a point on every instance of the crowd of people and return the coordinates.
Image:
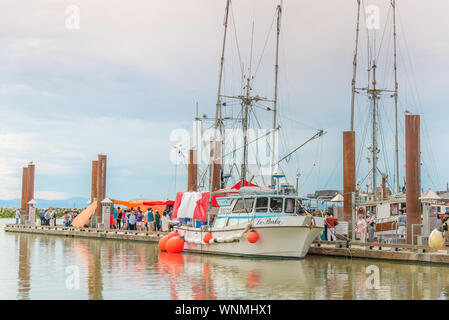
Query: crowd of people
(136, 219)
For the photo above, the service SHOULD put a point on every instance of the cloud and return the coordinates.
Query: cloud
(134, 70)
(50, 195)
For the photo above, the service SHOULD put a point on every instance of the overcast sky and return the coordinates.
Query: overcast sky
(134, 70)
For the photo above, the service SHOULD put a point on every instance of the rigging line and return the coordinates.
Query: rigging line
(364, 138)
(236, 39)
(419, 103)
(266, 42)
(369, 52)
(382, 140)
(383, 34)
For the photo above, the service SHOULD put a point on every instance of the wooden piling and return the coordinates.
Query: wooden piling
(348, 173)
(192, 171)
(101, 186)
(413, 174)
(216, 165)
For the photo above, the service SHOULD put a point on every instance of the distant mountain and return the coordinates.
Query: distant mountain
(43, 203)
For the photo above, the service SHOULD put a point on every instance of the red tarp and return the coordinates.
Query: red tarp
(202, 205)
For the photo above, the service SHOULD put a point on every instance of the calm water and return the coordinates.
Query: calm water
(45, 267)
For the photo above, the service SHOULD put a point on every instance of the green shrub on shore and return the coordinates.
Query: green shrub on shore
(11, 212)
(7, 213)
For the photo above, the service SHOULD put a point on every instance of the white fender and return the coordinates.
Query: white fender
(436, 240)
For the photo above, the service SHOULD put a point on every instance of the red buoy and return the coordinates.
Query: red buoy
(175, 245)
(163, 243)
(173, 234)
(207, 237)
(253, 236)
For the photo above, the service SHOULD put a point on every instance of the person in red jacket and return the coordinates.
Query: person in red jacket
(331, 222)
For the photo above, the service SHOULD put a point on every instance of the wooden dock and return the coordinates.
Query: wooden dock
(380, 251)
(87, 232)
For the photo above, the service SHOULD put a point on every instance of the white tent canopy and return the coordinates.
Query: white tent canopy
(430, 195)
(337, 198)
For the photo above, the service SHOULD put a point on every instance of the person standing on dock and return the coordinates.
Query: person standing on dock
(402, 223)
(119, 218)
(132, 221)
(360, 228)
(371, 226)
(150, 219)
(157, 221)
(164, 221)
(330, 223)
(17, 216)
(115, 214)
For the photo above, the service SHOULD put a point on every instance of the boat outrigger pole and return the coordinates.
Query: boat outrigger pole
(275, 102)
(354, 73)
(218, 113)
(320, 133)
(396, 87)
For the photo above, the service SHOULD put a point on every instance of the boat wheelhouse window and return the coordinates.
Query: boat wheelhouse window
(261, 204)
(289, 205)
(276, 204)
(243, 205)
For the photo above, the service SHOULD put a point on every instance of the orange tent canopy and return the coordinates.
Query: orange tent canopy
(83, 218)
(158, 205)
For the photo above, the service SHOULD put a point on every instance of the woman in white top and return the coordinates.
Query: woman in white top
(164, 222)
(361, 228)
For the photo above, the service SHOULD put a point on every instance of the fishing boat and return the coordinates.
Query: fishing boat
(256, 224)
(245, 220)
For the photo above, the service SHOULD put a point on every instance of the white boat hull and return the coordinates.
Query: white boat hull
(290, 237)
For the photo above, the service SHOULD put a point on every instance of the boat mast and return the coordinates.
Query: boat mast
(246, 104)
(275, 102)
(396, 87)
(218, 113)
(354, 73)
(375, 150)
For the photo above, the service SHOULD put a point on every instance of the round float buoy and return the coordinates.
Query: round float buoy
(436, 240)
(173, 234)
(207, 237)
(163, 243)
(253, 236)
(175, 245)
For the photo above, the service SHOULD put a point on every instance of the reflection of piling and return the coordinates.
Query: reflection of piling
(413, 174)
(192, 171)
(24, 274)
(348, 173)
